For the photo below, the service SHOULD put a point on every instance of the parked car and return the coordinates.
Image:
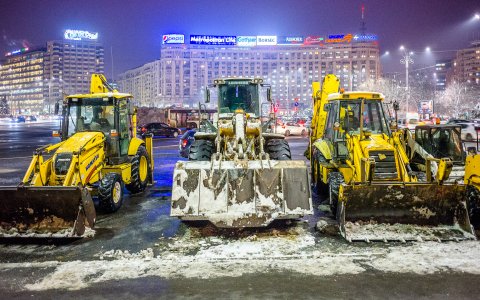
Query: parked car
(469, 132)
(410, 123)
(456, 121)
(31, 119)
(290, 128)
(159, 129)
(185, 142)
(19, 119)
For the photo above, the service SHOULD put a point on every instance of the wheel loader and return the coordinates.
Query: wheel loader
(98, 155)
(240, 173)
(363, 166)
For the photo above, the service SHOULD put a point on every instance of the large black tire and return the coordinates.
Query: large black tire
(139, 180)
(473, 205)
(278, 149)
(110, 192)
(201, 150)
(335, 179)
(319, 186)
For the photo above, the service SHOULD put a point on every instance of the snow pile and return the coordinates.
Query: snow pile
(293, 251)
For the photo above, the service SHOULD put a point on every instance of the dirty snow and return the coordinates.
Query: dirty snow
(295, 251)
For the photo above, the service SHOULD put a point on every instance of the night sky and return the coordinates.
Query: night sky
(133, 29)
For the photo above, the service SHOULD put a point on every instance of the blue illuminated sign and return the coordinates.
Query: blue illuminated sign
(365, 38)
(290, 40)
(213, 40)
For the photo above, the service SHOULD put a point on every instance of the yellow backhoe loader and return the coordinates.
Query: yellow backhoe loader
(240, 173)
(363, 166)
(97, 156)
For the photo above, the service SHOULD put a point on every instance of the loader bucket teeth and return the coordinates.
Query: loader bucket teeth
(401, 212)
(240, 194)
(45, 210)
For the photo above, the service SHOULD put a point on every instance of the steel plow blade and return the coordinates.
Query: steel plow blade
(47, 211)
(241, 194)
(403, 212)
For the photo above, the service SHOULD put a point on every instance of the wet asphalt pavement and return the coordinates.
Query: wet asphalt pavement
(144, 219)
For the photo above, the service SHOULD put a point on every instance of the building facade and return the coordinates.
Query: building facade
(443, 73)
(69, 64)
(33, 81)
(467, 64)
(21, 80)
(184, 70)
(144, 83)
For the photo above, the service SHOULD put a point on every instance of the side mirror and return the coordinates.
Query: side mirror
(326, 107)
(57, 108)
(269, 95)
(207, 95)
(472, 150)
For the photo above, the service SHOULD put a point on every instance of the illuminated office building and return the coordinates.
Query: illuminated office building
(467, 64)
(69, 64)
(289, 64)
(21, 80)
(33, 81)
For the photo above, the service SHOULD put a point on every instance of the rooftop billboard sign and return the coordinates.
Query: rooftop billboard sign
(78, 35)
(173, 39)
(339, 38)
(365, 38)
(246, 41)
(229, 40)
(290, 40)
(313, 40)
(266, 40)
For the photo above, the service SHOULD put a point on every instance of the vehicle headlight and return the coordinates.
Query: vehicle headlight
(62, 163)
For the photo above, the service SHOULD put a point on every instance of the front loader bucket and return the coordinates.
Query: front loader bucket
(402, 212)
(46, 211)
(240, 194)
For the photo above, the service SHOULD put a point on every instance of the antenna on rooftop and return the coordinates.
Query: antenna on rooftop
(363, 25)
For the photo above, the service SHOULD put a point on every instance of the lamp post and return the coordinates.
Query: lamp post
(406, 60)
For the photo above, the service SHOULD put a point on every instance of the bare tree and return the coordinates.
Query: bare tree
(390, 89)
(457, 100)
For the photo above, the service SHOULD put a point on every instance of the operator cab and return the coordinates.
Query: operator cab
(239, 94)
(354, 113)
(110, 115)
(441, 141)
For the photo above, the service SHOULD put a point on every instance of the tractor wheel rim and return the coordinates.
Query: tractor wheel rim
(117, 192)
(143, 168)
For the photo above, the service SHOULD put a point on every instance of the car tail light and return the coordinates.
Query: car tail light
(184, 143)
(113, 132)
(144, 129)
(55, 134)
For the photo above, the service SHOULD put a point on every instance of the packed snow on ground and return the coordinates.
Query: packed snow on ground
(295, 251)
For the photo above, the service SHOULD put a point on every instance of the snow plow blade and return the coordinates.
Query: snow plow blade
(45, 211)
(240, 194)
(403, 212)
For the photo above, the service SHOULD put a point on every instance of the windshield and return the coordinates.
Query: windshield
(446, 143)
(90, 115)
(373, 117)
(238, 94)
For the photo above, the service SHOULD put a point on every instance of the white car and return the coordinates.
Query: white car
(468, 131)
(410, 123)
(291, 128)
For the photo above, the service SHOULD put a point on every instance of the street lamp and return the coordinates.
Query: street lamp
(406, 60)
